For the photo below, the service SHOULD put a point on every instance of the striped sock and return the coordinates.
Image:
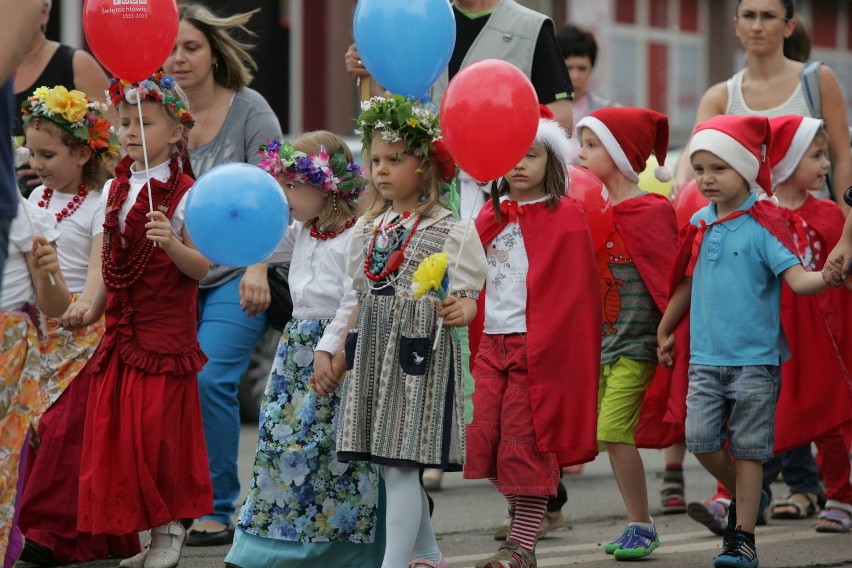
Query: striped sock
(512, 499)
(529, 512)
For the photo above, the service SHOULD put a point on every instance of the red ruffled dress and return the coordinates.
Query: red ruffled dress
(144, 457)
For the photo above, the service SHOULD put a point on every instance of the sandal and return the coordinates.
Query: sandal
(424, 563)
(837, 513)
(799, 510)
(512, 555)
(672, 498)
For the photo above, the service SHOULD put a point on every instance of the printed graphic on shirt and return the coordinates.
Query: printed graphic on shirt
(613, 253)
(809, 245)
(507, 262)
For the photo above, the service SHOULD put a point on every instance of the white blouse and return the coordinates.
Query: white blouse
(319, 285)
(18, 288)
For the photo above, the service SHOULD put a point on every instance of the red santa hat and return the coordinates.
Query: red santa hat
(629, 135)
(552, 136)
(741, 141)
(791, 138)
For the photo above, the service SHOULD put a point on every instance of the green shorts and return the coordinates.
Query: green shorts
(622, 388)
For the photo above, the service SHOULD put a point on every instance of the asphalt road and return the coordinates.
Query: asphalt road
(467, 511)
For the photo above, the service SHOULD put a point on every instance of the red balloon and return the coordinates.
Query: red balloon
(688, 201)
(131, 38)
(489, 118)
(589, 190)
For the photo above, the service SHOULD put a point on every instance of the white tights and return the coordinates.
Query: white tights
(408, 525)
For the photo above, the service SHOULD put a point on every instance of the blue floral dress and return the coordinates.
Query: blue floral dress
(299, 490)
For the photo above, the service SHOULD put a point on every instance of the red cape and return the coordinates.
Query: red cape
(648, 227)
(563, 326)
(816, 389)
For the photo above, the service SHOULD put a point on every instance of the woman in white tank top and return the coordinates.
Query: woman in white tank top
(770, 85)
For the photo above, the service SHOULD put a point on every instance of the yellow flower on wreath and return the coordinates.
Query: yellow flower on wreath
(72, 105)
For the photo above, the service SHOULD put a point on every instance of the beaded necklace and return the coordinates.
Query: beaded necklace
(323, 235)
(121, 275)
(385, 253)
(70, 207)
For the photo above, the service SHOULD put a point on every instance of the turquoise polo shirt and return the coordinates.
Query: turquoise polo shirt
(735, 316)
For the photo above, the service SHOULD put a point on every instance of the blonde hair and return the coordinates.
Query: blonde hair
(430, 187)
(234, 64)
(99, 167)
(337, 210)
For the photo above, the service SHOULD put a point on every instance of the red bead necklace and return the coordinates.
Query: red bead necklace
(72, 205)
(396, 257)
(323, 235)
(120, 275)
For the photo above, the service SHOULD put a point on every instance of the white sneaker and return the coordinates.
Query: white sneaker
(167, 557)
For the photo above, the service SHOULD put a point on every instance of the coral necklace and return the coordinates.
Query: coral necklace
(70, 207)
(381, 268)
(323, 235)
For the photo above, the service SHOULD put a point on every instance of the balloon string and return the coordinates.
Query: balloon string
(145, 156)
(33, 231)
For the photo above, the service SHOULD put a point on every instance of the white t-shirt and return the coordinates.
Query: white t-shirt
(17, 283)
(137, 182)
(75, 234)
(506, 287)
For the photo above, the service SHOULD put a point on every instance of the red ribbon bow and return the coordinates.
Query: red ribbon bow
(510, 208)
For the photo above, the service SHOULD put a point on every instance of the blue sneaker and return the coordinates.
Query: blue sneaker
(640, 543)
(611, 547)
(739, 552)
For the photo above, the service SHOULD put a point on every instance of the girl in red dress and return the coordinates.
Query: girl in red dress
(144, 460)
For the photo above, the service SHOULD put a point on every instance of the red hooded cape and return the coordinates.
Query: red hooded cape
(648, 227)
(816, 389)
(563, 325)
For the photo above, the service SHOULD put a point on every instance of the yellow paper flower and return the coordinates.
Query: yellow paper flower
(429, 274)
(72, 105)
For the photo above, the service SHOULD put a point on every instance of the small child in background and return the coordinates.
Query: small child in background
(32, 281)
(73, 150)
(144, 461)
(732, 257)
(536, 369)
(403, 400)
(634, 265)
(304, 506)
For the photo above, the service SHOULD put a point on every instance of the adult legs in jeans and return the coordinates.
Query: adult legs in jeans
(227, 336)
(802, 477)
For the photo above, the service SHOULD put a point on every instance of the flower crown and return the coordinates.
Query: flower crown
(332, 174)
(155, 88)
(398, 119)
(75, 113)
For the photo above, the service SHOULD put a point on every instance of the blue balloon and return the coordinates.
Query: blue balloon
(405, 44)
(236, 214)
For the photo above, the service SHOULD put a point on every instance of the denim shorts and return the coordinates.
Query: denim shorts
(733, 404)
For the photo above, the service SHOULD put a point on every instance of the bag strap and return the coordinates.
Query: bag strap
(810, 83)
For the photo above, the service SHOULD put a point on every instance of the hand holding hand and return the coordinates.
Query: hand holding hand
(323, 381)
(832, 272)
(665, 351)
(254, 290)
(75, 316)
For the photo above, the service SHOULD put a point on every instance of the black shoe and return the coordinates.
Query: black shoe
(37, 554)
(204, 538)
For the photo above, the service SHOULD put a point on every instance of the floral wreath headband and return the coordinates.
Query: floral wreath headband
(155, 88)
(400, 120)
(331, 174)
(75, 113)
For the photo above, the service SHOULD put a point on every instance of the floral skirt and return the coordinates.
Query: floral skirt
(20, 399)
(299, 490)
(66, 352)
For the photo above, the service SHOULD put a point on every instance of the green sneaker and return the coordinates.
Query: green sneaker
(639, 543)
